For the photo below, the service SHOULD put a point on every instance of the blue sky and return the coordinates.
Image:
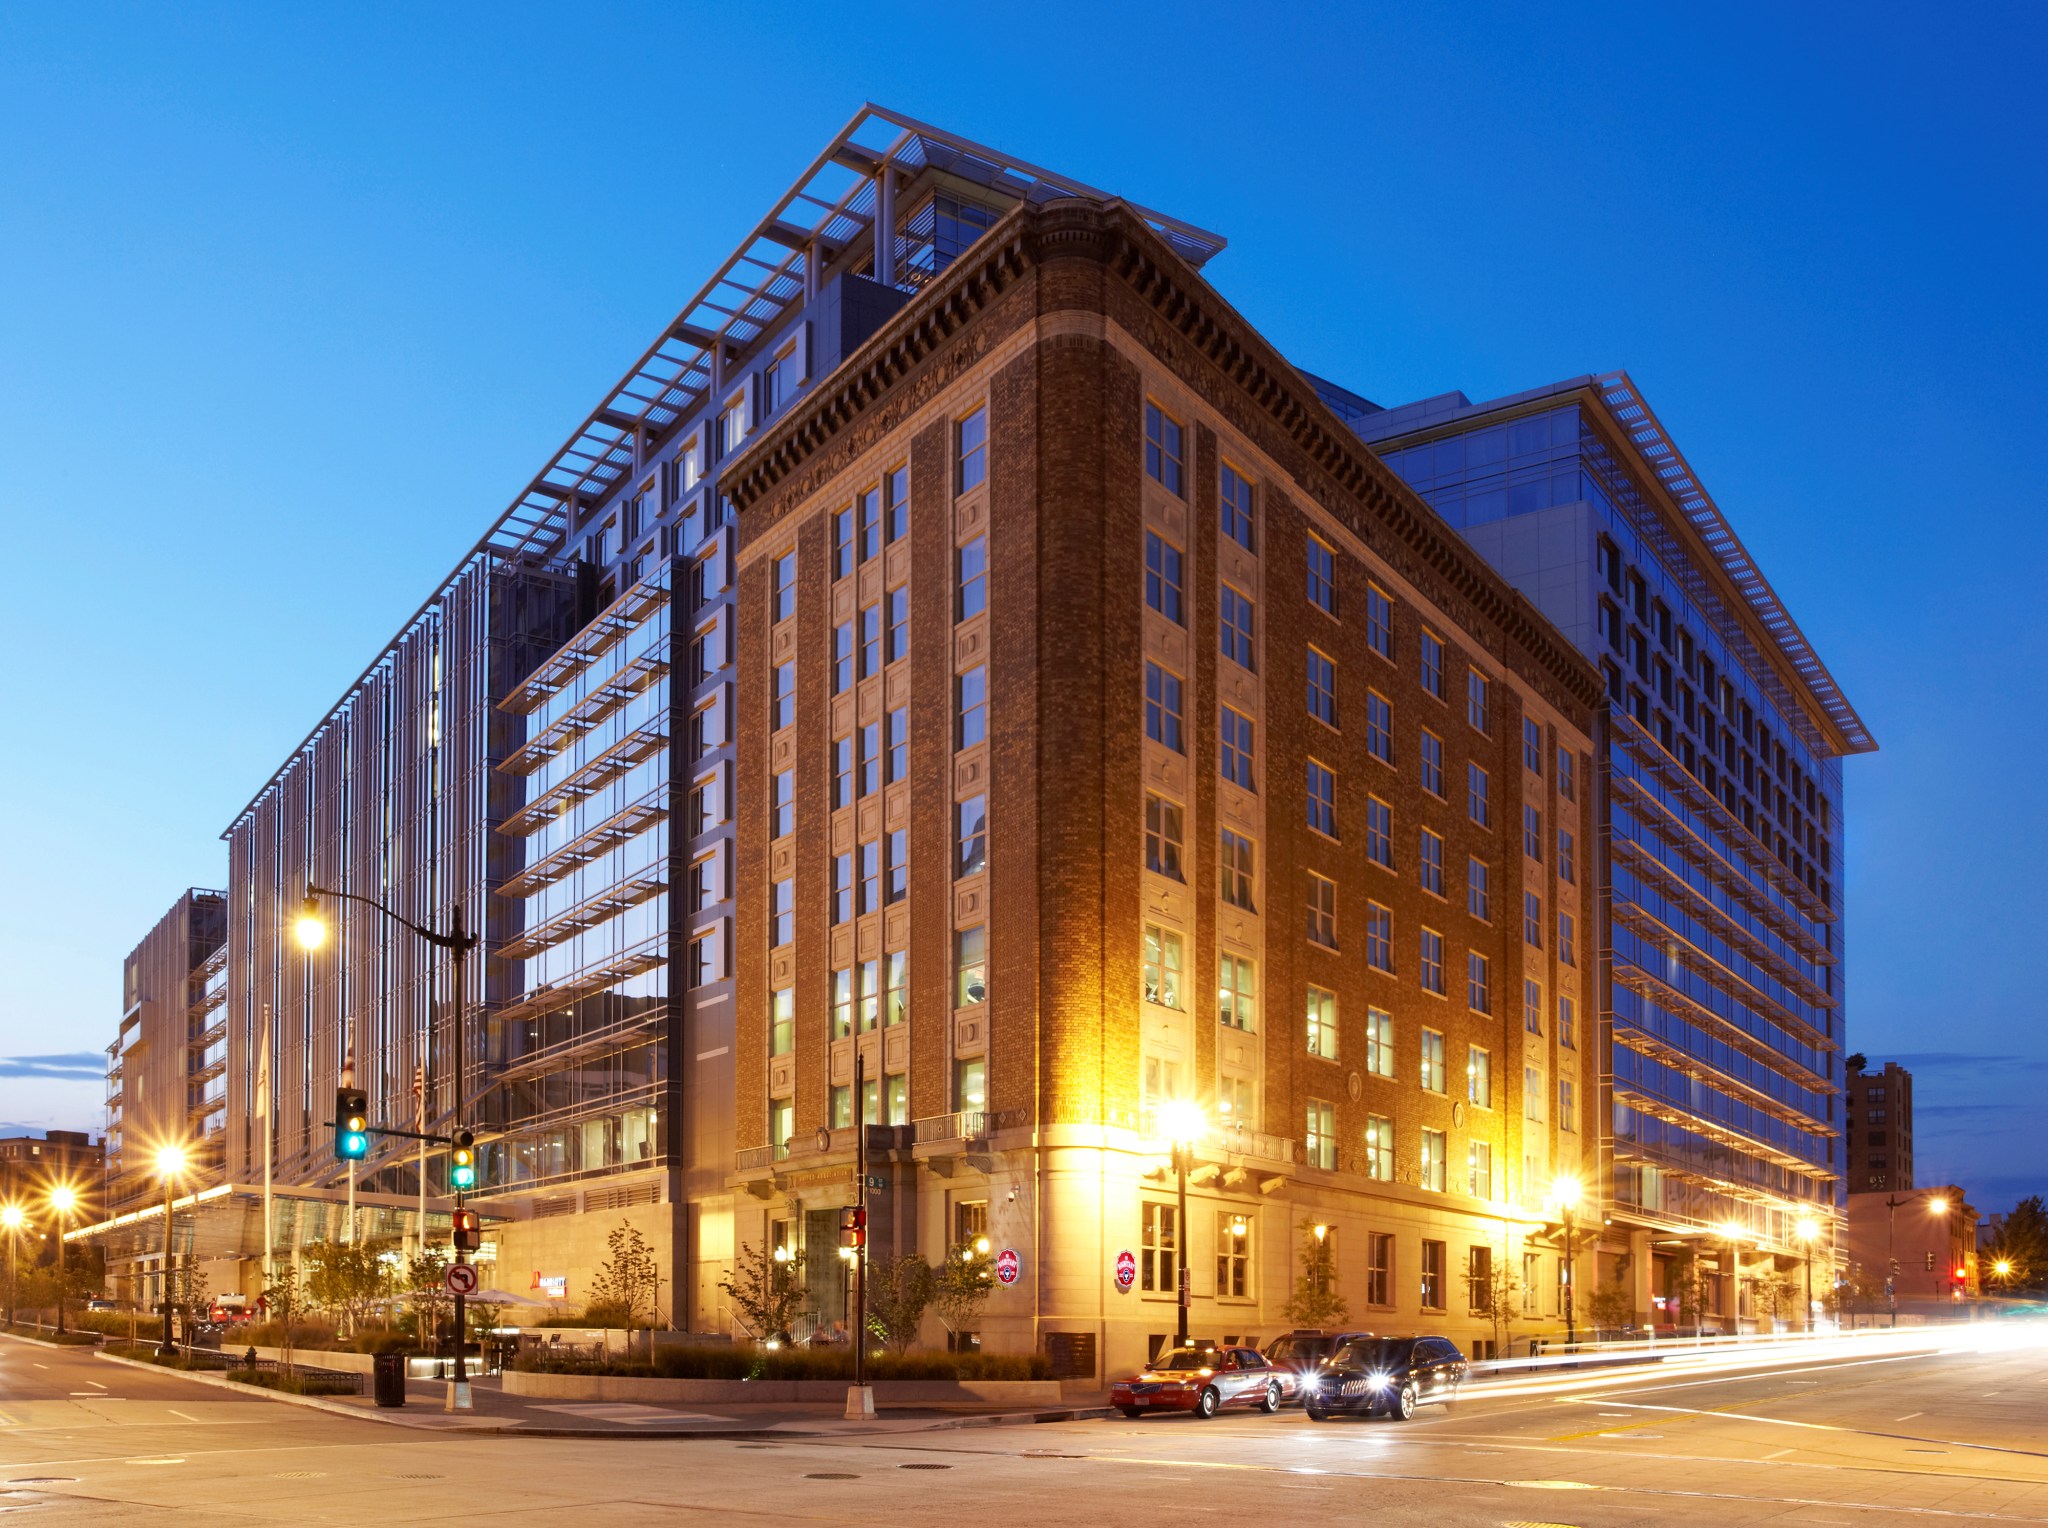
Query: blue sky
(292, 301)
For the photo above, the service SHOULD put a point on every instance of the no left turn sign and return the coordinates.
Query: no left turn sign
(460, 1279)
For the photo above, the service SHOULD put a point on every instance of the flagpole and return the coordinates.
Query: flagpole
(419, 1094)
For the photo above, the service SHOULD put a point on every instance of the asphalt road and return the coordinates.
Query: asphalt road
(1959, 1434)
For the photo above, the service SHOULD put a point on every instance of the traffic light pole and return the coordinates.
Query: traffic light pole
(459, 943)
(860, 1251)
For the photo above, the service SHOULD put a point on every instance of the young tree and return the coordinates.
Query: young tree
(625, 1290)
(1501, 1297)
(767, 1292)
(426, 1291)
(1612, 1306)
(286, 1302)
(347, 1278)
(1770, 1294)
(899, 1293)
(1315, 1301)
(962, 1287)
(1693, 1286)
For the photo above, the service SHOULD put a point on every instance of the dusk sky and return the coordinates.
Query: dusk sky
(293, 300)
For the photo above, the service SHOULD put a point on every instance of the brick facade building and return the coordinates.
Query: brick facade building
(1113, 728)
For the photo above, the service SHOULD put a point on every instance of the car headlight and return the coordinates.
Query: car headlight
(1380, 1381)
(1312, 1382)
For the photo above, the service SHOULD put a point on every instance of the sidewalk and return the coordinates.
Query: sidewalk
(492, 1411)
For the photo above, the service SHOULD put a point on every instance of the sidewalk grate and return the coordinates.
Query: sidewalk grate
(830, 1475)
(924, 1466)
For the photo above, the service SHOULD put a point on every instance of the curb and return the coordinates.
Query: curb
(496, 1427)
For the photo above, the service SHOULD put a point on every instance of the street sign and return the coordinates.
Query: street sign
(877, 1183)
(1008, 1266)
(460, 1279)
(1126, 1271)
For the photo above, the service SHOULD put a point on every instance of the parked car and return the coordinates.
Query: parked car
(1298, 1354)
(1386, 1375)
(1203, 1380)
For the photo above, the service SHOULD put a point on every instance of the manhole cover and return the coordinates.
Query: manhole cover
(924, 1466)
(830, 1475)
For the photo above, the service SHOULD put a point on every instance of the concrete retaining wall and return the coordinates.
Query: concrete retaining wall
(894, 1392)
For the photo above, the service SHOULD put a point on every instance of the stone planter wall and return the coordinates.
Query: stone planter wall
(713, 1392)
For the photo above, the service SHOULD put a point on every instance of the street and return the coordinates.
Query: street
(1954, 1433)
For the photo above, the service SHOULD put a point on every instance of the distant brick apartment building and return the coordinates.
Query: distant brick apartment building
(1112, 727)
(1879, 1126)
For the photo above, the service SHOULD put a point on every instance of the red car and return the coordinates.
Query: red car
(1201, 1380)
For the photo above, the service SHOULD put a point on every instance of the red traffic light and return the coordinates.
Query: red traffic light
(1962, 1273)
(853, 1226)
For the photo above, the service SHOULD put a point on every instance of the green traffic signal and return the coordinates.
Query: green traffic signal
(351, 1124)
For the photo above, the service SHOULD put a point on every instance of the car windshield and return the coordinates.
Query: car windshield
(1189, 1358)
(1376, 1352)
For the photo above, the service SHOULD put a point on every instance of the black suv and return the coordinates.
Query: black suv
(1298, 1354)
(1390, 1375)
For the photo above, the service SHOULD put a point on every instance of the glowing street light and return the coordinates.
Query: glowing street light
(170, 1166)
(310, 926)
(1183, 1123)
(1564, 1193)
(63, 1199)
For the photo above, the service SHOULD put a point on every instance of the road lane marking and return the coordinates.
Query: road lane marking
(180, 1414)
(1909, 1416)
(1778, 1453)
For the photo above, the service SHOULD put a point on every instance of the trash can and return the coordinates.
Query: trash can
(388, 1373)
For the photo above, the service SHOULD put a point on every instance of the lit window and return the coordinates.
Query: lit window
(1237, 992)
(1320, 1135)
(1479, 1183)
(1322, 1023)
(1479, 1076)
(970, 966)
(1433, 1078)
(732, 423)
(782, 1022)
(1233, 1255)
(1379, 1166)
(1162, 967)
(1435, 1151)
(1379, 1043)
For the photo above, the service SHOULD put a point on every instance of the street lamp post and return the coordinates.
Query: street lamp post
(458, 941)
(1185, 1125)
(1937, 1204)
(63, 1199)
(170, 1162)
(1809, 1229)
(1565, 1193)
(11, 1218)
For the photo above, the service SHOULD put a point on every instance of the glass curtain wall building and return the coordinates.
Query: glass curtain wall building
(1720, 809)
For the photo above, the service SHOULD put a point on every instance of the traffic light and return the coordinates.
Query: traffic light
(853, 1227)
(1930, 1262)
(351, 1124)
(462, 1163)
(469, 1231)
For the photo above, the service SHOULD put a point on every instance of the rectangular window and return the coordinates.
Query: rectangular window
(1379, 727)
(971, 705)
(1433, 962)
(782, 816)
(1564, 774)
(1478, 710)
(1567, 858)
(1532, 1094)
(971, 577)
(970, 1094)
(1320, 1135)
(1379, 832)
(1532, 919)
(1379, 937)
(1322, 576)
(1236, 508)
(1158, 1248)
(1432, 862)
(1532, 832)
(842, 888)
(1379, 1044)
(782, 702)
(1479, 890)
(842, 1003)
(842, 543)
(870, 641)
(870, 999)
(1478, 796)
(785, 586)
(1163, 583)
(1479, 1179)
(842, 657)
(870, 524)
(898, 884)
(1163, 836)
(1433, 1079)
(897, 489)
(972, 836)
(1234, 1104)
(1322, 910)
(1479, 1076)
(896, 1098)
(1478, 982)
(871, 875)
(1162, 967)
(1322, 798)
(970, 444)
(1379, 1259)
(1234, 627)
(1237, 992)
(1567, 940)
(1236, 734)
(1567, 1022)
(782, 915)
(1433, 764)
(732, 424)
(1532, 1284)
(1233, 1255)
(899, 622)
(1162, 707)
(870, 758)
(842, 772)
(970, 966)
(1235, 868)
(1379, 621)
(1435, 1175)
(782, 1022)
(1432, 663)
(1163, 453)
(899, 744)
(1567, 1105)
(781, 1127)
(1532, 1006)
(1322, 1023)
(1532, 745)
(1322, 688)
